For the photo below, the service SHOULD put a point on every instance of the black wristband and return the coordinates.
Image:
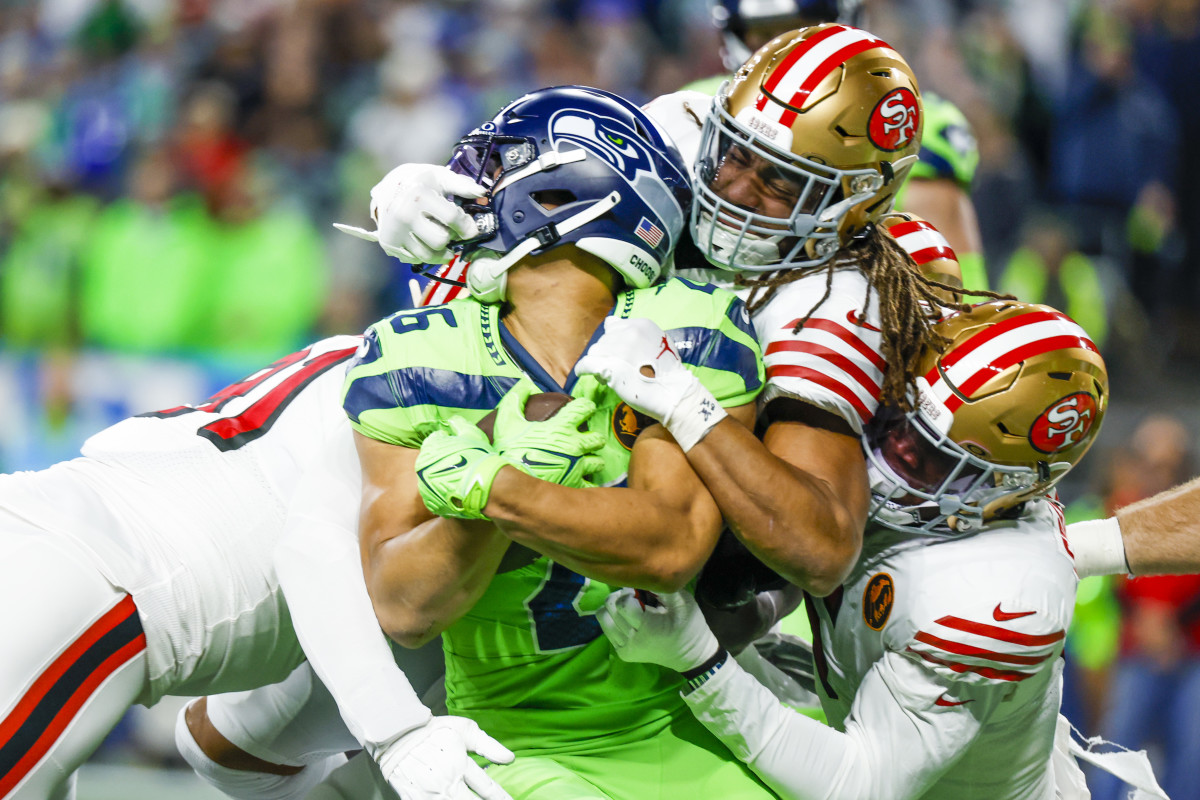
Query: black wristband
(698, 676)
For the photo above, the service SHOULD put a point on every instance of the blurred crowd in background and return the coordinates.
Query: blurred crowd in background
(170, 170)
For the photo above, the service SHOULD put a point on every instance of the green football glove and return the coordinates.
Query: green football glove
(455, 470)
(552, 450)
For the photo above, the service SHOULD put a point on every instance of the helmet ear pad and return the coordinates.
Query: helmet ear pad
(638, 267)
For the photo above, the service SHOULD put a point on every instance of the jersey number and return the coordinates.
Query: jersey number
(289, 375)
(419, 320)
(557, 622)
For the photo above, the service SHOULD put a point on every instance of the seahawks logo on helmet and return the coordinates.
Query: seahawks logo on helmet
(604, 136)
(623, 149)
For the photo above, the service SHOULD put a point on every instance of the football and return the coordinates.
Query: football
(538, 407)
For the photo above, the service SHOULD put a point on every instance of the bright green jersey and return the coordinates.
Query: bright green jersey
(529, 662)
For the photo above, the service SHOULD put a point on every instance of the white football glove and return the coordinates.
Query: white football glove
(671, 394)
(432, 762)
(415, 219)
(672, 634)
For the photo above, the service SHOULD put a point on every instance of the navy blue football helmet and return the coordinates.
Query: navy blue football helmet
(736, 18)
(572, 164)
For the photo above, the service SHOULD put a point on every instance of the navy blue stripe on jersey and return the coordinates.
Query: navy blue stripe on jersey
(707, 347)
(707, 288)
(415, 386)
(572, 378)
(536, 372)
(47, 709)
(740, 317)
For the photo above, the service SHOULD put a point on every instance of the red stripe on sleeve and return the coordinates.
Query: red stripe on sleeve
(843, 333)
(821, 379)
(987, 672)
(1002, 634)
(832, 356)
(960, 649)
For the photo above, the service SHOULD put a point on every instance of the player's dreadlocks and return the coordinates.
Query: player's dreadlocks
(909, 303)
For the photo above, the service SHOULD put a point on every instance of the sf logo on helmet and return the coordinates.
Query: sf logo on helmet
(895, 120)
(1064, 424)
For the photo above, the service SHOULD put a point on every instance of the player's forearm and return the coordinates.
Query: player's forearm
(1162, 533)
(321, 577)
(792, 521)
(892, 753)
(622, 536)
(798, 757)
(420, 582)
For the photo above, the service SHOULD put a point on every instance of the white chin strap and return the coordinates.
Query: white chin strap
(487, 276)
(542, 163)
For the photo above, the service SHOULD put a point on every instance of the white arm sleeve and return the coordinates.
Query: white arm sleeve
(321, 576)
(1098, 547)
(897, 741)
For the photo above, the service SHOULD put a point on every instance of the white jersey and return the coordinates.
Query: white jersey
(967, 635)
(183, 508)
(835, 361)
(939, 667)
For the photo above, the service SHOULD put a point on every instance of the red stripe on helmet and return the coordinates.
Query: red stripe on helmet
(839, 57)
(1016, 356)
(999, 328)
(910, 226)
(791, 58)
(927, 254)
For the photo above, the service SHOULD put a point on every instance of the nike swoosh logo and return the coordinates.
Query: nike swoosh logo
(942, 701)
(525, 460)
(1005, 616)
(856, 319)
(462, 462)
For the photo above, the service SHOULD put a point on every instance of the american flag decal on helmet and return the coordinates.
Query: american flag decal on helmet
(809, 63)
(648, 232)
(998, 347)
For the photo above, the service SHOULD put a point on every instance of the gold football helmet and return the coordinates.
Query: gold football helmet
(1005, 409)
(828, 118)
(928, 249)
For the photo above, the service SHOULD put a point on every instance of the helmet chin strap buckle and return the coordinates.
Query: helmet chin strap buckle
(547, 235)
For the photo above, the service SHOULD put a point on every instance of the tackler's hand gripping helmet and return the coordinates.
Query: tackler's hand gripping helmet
(572, 164)
(1005, 409)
